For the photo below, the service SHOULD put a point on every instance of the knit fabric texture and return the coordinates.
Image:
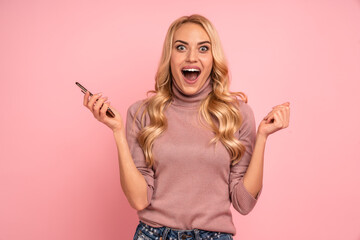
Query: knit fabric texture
(192, 183)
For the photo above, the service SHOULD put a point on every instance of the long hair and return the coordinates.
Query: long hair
(220, 109)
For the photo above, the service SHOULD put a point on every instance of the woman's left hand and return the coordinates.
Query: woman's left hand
(277, 119)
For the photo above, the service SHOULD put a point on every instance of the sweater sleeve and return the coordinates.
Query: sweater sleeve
(241, 199)
(132, 130)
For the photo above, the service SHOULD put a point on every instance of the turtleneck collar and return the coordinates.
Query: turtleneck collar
(193, 100)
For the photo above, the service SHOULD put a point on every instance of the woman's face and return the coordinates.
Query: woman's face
(191, 57)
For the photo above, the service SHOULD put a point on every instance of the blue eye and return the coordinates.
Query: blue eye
(180, 47)
(204, 48)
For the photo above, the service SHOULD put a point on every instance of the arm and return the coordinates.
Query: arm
(253, 177)
(133, 183)
(246, 176)
(277, 119)
(242, 197)
(137, 181)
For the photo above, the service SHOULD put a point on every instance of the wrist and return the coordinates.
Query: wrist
(118, 131)
(261, 136)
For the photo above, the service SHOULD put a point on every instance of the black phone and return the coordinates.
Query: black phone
(109, 113)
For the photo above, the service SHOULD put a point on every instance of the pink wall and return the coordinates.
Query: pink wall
(59, 175)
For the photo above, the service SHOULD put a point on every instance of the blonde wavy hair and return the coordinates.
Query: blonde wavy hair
(220, 108)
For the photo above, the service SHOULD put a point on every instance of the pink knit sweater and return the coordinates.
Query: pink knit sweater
(192, 183)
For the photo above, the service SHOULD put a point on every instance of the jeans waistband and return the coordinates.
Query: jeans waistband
(165, 233)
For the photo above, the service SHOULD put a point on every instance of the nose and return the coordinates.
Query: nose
(192, 56)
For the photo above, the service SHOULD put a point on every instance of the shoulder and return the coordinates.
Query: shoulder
(245, 109)
(135, 105)
(247, 129)
(133, 108)
(136, 109)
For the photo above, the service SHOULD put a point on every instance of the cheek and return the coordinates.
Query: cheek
(172, 66)
(174, 61)
(175, 72)
(208, 62)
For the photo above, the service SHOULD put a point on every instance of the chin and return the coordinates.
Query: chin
(192, 88)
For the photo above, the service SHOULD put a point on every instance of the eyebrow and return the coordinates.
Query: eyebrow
(188, 43)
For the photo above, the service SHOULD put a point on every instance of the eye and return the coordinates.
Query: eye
(204, 48)
(180, 47)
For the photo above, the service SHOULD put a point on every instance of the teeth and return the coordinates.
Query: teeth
(191, 70)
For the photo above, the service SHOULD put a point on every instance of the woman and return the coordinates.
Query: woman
(190, 150)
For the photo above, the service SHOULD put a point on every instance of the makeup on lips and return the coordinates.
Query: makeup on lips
(191, 74)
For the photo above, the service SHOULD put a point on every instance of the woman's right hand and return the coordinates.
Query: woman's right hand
(99, 111)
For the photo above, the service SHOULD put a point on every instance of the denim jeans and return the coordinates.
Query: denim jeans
(146, 232)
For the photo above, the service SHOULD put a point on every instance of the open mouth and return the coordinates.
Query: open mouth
(191, 74)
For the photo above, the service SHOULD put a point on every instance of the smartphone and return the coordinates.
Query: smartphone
(109, 113)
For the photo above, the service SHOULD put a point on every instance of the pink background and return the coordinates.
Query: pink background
(59, 176)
